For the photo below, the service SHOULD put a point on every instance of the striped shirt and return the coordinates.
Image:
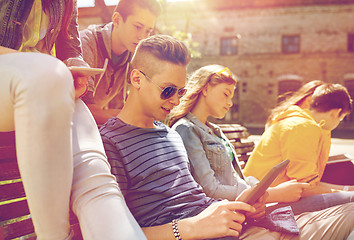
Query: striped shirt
(152, 169)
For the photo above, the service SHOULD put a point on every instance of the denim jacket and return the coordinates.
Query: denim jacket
(14, 14)
(210, 162)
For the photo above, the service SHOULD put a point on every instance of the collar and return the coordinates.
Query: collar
(208, 127)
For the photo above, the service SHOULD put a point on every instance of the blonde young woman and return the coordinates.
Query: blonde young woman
(209, 93)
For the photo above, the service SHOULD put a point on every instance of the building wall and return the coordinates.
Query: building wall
(323, 27)
(259, 63)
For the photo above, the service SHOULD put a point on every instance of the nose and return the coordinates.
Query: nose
(142, 34)
(174, 99)
(230, 103)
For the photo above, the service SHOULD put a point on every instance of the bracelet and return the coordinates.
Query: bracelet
(346, 188)
(175, 229)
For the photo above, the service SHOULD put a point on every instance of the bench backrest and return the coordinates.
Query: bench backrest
(15, 220)
(238, 136)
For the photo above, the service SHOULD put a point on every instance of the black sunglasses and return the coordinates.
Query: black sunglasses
(168, 92)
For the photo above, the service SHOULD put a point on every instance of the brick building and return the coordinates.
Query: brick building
(272, 45)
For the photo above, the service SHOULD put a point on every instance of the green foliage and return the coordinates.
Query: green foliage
(184, 37)
(179, 34)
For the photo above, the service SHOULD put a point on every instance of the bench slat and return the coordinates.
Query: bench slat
(9, 170)
(11, 191)
(17, 229)
(13, 210)
(7, 138)
(7, 152)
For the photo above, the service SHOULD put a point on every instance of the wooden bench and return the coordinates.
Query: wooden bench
(15, 221)
(339, 168)
(238, 136)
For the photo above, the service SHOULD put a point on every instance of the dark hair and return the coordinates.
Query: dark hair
(126, 7)
(331, 96)
(297, 98)
(68, 14)
(161, 47)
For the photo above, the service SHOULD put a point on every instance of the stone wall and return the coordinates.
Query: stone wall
(259, 63)
(259, 27)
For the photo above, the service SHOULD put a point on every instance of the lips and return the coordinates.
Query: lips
(166, 110)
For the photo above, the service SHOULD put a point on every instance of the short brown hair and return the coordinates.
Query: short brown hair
(162, 48)
(331, 96)
(126, 7)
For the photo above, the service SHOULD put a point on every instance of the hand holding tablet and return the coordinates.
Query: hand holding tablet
(260, 188)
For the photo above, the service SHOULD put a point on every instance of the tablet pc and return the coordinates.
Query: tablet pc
(85, 71)
(263, 185)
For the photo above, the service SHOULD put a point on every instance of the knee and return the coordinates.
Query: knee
(52, 74)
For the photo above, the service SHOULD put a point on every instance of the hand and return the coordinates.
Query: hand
(289, 191)
(220, 219)
(259, 205)
(80, 83)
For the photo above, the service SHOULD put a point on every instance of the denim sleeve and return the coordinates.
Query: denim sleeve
(70, 48)
(201, 169)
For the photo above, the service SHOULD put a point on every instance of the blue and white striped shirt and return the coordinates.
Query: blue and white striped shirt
(152, 169)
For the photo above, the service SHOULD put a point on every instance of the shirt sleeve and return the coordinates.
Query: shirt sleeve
(89, 52)
(201, 169)
(302, 149)
(117, 166)
(70, 48)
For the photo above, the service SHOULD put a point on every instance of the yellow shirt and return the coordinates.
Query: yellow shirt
(35, 30)
(296, 136)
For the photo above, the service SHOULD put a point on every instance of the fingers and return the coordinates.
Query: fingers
(263, 198)
(305, 185)
(239, 206)
(80, 84)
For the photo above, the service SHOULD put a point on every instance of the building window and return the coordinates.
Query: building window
(291, 44)
(351, 42)
(286, 88)
(228, 45)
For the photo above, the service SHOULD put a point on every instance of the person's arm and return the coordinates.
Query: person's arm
(289, 191)
(302, 148)
(5, 50)
(202, 171)
(322, 187)
(70, 48)
(220, 219)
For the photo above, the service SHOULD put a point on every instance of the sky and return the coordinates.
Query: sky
(90, 3)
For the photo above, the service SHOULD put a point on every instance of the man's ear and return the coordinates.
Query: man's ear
(306, 103)
(135, 78)
(116, 18)
(335, 112)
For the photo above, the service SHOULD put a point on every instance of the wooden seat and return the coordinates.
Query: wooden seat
(238, 136)
(15, 221)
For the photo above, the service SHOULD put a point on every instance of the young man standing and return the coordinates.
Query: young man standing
(132, 21)
(151, 164)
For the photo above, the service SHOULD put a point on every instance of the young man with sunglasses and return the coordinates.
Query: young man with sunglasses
(132, 21)
(151, 164)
